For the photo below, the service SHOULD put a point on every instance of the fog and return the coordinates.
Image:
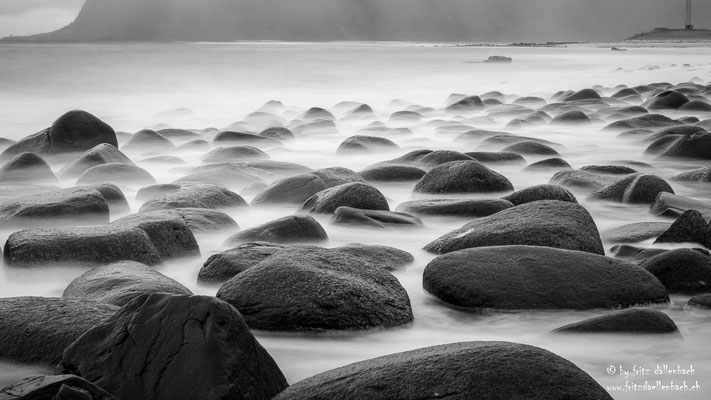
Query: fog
(477, 20)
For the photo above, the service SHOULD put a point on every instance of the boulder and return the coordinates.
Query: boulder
(696, 146)
(540, 192)
(634, 189)
(101, 154)
(317, 113)
(367, 144)
(632, 320)
(291, 229)
(468, 103)
(609, 169)
(585, 94)
(36, 330)
(292, 190)
(426, 158)
(496, 157)
(26, 168)
(121, 282)
(531, 148)
(278, 133)
(455, 208)
(635, 232)
(146, 140)
(702, 301)
(180, 134)
(540, 223)
(195, 196)
(672, 205)
(244, 139)
(666, 100)
(74, 132)
(503, 371)
(356, 194)
(582, 180)
(645, 121)
(308, 288)
(233, 153)
(571, 117)
(54, 387)
(529, 277)
(690, 227)
(555, 163)
(125, 174)
(702, 174)
(682, 270)
(374, 218)
(696, 105)
(194, 145)
(199, 220)
(175, 347)
(154, 191)
(462, 177)
(392, 173)
(336, 176)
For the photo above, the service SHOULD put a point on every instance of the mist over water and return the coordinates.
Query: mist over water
(200, 85)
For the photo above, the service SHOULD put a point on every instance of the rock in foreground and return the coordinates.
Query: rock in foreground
(54, 387)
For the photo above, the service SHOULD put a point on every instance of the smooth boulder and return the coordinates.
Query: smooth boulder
(291, 190)
(122, 174)
(634, 189)
(291, 229)
(195, 196)
(632, 320)
(350, 216)
(454, 208)
(540, 192)
(26, 168)
(682, 270)
(462, 177)
(101, 154)
(356, 195)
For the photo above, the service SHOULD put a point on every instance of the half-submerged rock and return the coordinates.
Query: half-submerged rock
(633, 320)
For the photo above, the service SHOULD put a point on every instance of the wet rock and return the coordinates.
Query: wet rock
(311, 288)
(64, 207)
(634, 189)
(689, 227)
(454, 208)
(195, 196)
(696, 105)
(213, 356)
(528, 277)
(672, 205)
(541, 223)
(697, 146)
(54, 387)
(635, 232)
(26, 168)
(318, 113)
(199, 220)
(418, 374)
(555, 163)
(75, 131)
(645, 121)
(153, 191)
(585, 94)
(392, 173)
(496, 157)
(292, 190)
(427, 158)
(356, 195)
(193, 145)
(702, 301)
(315, 128)
(336, 176)
(147, 140)
(682, 270)
(666, 100)
(633, 320)
(37, 329)
(126, 174)
(374, 218)
(291, 229)
(234, 153)
(661, 145)
(121, 282)
(231, 175)
(181, 134)
(582, 180)
(626, 92)
(468, 103)
(244, 139)
(571, 117)
(97, 155)
(462, 177)
(609, 169)
(405, 116)
(499, 60)
(540, 192)
(682, 130)
(702, 174)
(278, 133)
(368, 144)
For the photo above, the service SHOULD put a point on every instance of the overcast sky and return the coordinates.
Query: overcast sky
(589, 19)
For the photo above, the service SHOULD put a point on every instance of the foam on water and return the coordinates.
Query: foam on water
(197, 85)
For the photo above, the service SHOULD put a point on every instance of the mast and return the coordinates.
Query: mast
(687, 22)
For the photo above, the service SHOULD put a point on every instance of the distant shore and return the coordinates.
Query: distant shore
(666, 34)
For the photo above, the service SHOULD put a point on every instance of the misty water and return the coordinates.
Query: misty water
(201, 85)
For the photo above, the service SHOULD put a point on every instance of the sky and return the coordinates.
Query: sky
(499, 19)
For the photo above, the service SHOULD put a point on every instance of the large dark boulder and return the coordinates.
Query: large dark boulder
(702, 301)
(696, 146)
(690, 227)
(540, 192)
(393, 173)
(584, 94)
(356, 194)
(531, 148)
(54, 387)
(278, 133)
(26, 168)
(195, 196)
(291, 229)
(666, 100)
(312, 288)
(582, 180)
(702, 174)
(175, 347)
(502, 370)
(367, 144)
(632, 320)
(530, 277)
(571, 117)
(335, 176)
(454, 208)
(123, 174)
(634, 189)
(682, 270)
(374, 218)
(199, 220)
(153, 191)
(541, 223)
(292, 190)
(468, 103)
(121, 282)
(147, 140)
(497, 157)
(462, 177)
(146, 239)
(75, 131)
(36, 330)
(645, 121)
(100, 154)
(233, 153)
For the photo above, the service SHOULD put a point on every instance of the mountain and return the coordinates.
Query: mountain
(224, 20)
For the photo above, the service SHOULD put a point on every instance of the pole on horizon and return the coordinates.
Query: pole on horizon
(687, 22)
